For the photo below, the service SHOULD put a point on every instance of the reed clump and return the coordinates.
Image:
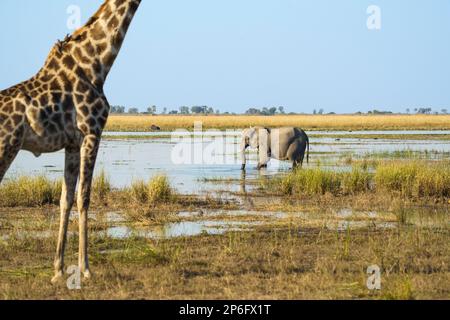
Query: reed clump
(101, 187)
(411, 179)
(156, 191)
(319, 181)
(30, 192)
(414, 179)
(38, 191)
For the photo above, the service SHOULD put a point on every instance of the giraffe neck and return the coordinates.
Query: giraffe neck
(91, 50)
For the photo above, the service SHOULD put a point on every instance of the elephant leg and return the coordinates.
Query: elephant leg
(302, 158)
(262, 165)
(298, 161)
(296, 154)
(263, 158)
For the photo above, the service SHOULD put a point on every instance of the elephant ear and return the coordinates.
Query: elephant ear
(246, 132)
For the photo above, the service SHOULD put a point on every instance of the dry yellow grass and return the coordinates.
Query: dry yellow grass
(283, 261)
(318, 122)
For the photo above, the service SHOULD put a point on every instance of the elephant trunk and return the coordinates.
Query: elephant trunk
(243, 159)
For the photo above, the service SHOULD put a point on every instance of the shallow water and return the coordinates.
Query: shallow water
(181, 229)
(238, 132)
(340, 221)
(211, 157)
(217, 222)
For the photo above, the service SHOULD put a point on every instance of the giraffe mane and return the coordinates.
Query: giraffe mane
(58, 47)
(91, 20)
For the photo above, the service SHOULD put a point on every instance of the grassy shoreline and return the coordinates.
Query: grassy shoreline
(418, 179)
(422, 180)
(142, 123)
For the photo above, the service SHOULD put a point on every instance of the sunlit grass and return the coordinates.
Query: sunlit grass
(405, 179)
(157, 190)
(101, 186)
(319, 181)
(414, 179)
(376, 156)
(30, 192)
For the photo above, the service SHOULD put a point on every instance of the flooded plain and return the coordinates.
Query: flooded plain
(221, 231)
(191, 162)
(210, 164)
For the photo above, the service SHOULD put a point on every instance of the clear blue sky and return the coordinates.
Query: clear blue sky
(236, 54)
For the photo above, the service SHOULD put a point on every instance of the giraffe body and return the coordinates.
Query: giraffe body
(64, 107)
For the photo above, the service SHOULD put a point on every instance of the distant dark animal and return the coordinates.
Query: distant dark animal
(155, 128)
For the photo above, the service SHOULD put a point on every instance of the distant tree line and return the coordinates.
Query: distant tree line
(428, 111)
(153, 110)
(117, 109)
(265, 111)
(408, 111)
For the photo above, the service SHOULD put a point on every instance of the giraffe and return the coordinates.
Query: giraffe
(64, 107)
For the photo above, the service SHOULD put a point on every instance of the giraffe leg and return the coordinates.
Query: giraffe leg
(9, 148)
(88, 157)
(71, 171)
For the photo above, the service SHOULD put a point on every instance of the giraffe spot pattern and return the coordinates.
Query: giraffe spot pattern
(63, 106)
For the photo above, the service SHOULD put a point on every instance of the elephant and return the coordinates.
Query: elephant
(286, 144)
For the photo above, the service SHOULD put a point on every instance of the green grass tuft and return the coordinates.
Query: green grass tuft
(157, 190)
(412, 179)
(101, 187)
(30, 192)
(320, 181)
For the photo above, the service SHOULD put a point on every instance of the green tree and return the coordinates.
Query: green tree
(151, 110)
(117, 109)
(184, 110)
(253, 111)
